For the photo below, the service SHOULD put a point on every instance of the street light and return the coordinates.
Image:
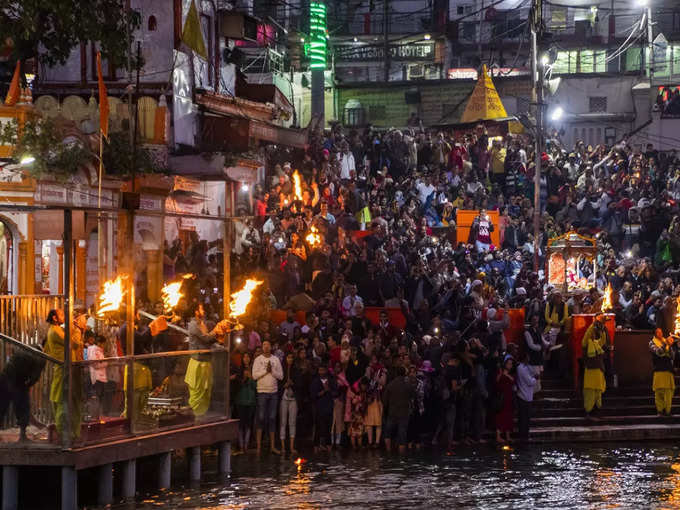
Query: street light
(427, 37)
(244, 188)
(545, 60)
(27, 160)
(557, 113)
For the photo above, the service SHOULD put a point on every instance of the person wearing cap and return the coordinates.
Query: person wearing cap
(663, 384)
(480, 232)
(594, 343)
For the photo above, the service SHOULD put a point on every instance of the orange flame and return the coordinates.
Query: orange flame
(607, 305)
(313, 238)
(111, 297)
(241, 299)
(677, 317)
(297, 187)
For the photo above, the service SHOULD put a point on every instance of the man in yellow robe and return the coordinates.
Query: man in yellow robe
(199, 376)
(663, 384)
(594, 344)
(55, 347)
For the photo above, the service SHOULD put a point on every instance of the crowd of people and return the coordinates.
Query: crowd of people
(384, 207)
(395, 329)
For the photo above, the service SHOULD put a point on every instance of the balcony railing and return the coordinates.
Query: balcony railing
(24, 317)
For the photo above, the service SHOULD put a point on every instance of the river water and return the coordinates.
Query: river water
(557, 476)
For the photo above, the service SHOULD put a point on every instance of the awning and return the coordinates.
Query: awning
(224, 132)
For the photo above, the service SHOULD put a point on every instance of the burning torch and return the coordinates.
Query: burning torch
(297, 189)
(171, 294)
(607, 310)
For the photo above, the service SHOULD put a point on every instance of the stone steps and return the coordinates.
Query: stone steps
(580, 433)
(577, 411)
(627, 414)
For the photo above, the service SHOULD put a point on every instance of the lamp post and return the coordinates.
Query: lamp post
(650, 39)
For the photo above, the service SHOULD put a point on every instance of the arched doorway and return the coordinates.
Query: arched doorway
(6, 259)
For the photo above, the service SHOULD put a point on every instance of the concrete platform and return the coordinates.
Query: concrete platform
(120, 449)
(593, 433)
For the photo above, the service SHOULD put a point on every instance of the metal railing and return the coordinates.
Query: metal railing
(23, 317)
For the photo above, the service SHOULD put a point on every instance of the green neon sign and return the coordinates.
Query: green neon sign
(318, 47)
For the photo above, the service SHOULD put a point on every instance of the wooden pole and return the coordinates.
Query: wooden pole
(130, 316)
(226, 287)
(68, 322)
(101, 253)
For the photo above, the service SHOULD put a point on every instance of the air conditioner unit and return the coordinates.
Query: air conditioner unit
(237, 25)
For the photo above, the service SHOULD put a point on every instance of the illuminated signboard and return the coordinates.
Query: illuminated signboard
(317, 35)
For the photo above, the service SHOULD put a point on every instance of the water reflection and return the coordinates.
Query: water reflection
(607, 476)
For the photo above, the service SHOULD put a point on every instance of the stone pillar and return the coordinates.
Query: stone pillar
(23, 268)
(129, 479)
(154, 274)
(69, 488)
(225, 459)
(164, 470)
(30, 257)
(105, 492)
(195, 464)
(60, 252)
(10, 488)
(81, 270)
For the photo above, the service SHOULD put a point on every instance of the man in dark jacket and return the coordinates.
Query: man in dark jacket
(21, 372)
(323, 391)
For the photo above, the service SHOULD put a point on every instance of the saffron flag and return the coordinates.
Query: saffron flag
(103, 100)
(192, 34)
(14, 89)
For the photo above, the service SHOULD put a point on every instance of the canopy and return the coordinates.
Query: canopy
(484, 103)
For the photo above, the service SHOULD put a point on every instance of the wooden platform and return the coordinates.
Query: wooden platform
(118, 449)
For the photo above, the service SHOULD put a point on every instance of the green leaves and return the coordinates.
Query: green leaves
(118, 156)
(42, 139)
(59, 159)
(50, 29)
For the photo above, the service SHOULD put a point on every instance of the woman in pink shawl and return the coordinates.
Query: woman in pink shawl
(355, 409)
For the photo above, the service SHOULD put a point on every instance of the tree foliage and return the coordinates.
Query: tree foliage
(118, 157)
(50, 29)
(43, 140)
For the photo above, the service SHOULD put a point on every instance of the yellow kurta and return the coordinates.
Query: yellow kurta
(55, 347)
(663, 383)
(142, 387)
(552, 318)
(594, 383)
(199, 378)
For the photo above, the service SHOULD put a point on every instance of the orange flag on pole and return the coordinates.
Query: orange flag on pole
(103, 100)
(14, 88)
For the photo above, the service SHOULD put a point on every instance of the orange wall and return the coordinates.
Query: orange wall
(464, 219)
